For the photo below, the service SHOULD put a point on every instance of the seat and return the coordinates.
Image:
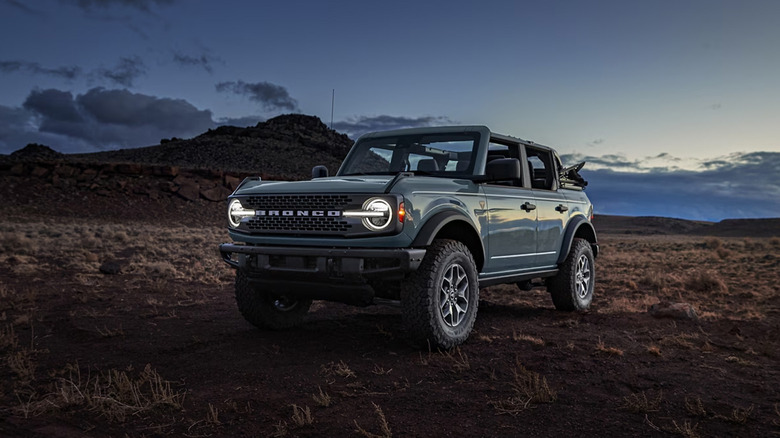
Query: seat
(427, 165)
(505, 171)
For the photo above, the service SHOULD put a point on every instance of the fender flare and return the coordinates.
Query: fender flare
(437, 222)
(574, 226)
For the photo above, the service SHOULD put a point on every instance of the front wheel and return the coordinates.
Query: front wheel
(440, 299)
(572, 288)
(266, 309)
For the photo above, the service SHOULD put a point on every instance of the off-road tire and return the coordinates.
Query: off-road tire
(445, 282)
(268, 310)
(572, 288)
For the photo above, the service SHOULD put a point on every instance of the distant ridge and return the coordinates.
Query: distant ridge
(652, 225)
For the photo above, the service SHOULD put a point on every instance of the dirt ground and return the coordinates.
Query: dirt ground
(158, 348)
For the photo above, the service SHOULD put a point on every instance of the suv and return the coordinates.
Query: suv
(423, 217)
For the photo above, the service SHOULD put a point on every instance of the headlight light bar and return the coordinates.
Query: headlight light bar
(236, 212)
(376, 214)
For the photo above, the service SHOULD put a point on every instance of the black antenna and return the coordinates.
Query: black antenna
(332, 104)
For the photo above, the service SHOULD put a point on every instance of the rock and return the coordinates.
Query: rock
(182, 180)
(39, 171)
(231, 182)
(189, 191)
(65, 171)
(168, 186)
(87, 175)
(111, 267)
(665, 309)
(218, 193)
(166, 170)
(130, 168)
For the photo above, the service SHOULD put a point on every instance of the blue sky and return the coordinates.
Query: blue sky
(661, 88)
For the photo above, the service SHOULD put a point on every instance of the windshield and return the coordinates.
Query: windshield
(433, 154)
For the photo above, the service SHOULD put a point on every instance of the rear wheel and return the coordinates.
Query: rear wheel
(440, 299)
(572, 288)
(267, 309)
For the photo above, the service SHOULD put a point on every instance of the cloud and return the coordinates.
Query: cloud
(53, 105)
(141, 5)
(124, 73)
(356, 126)
(23, 7)
(98, 119)
(203, 61)
(270, 96)
(741, 185)
(36, 69)
(596, 142)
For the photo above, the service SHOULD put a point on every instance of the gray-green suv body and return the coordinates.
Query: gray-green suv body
(423, 217)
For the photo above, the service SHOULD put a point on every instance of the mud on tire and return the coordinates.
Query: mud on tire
(439, 300)
(572, 288)
(266, 309)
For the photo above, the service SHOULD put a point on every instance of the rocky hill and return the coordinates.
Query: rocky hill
(284, 147)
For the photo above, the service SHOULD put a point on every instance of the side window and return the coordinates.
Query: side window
(541, 169)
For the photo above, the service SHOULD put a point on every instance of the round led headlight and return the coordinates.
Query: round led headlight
(381, 214)
(236, 212)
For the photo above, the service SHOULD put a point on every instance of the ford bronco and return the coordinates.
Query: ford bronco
(422, 218)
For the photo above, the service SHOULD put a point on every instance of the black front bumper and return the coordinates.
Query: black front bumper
(321, 263)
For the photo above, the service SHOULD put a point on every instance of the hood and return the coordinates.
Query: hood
(334, 184)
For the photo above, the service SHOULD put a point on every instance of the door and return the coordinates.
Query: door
(552, 207)
(511, 241)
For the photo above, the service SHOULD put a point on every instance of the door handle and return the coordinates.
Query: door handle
(561, 208)
(528, 206)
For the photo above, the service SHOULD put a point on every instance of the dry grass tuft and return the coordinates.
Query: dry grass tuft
(706, 282)
(640, 403)
(212, 416)
(280, 429)
(384, 427)
(601, 348)
(686, 429)
(740, 415)
(655, 350)
(22, 363)
(527, 338)
(529, 388)
(713, 243)
(301, 416)
(114, 394)
(340, 369)
(322, 399)
(459, 359)
(695, 407)
(380, 371)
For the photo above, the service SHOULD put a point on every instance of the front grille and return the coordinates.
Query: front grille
(323, 225)
(299, 202)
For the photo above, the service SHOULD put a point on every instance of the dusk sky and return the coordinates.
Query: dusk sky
(679, 97)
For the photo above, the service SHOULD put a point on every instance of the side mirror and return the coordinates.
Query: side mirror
(504, 169)
(319, 172)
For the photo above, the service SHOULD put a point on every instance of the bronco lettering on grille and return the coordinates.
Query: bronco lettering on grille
(299, 213)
